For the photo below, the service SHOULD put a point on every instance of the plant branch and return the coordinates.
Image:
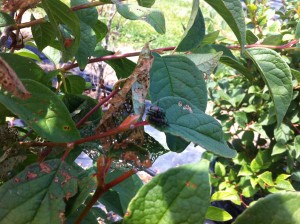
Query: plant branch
(280, 47)
(100, 191)
(116, 56)
(96, 107)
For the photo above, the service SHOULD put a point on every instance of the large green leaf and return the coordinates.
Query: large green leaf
(195, 30)
(37, 194)
(277, 75)
(25, 68)
(280, 208)
(88, 39)
(146, 3)
(44, 112)
(74, 84)
(134, 12)
(43, 34)
(180, 195)
(60, 15)
(6, 20)
(192, 124)
(232, 12)
(176, 75)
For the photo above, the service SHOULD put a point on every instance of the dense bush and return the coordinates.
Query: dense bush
(250, 169)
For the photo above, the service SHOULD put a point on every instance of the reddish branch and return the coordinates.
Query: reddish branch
(100, 191)
(280, 47)
(116, 56)
(97, 107)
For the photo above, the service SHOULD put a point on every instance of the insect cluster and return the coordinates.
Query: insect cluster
(157, 117)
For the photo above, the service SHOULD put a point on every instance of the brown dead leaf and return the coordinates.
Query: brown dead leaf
(14, 5)
(10, 82)
(121, 105)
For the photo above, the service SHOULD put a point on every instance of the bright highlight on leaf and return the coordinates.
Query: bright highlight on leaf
(277, 76)
(180, 195)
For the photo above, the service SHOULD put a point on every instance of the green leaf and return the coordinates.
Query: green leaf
(281, 177)
(245, 171)
(297, 32)
(282, 133)
(206, 63)
(25, 68)
(60, 15)
(217, 214)
(214, 48)
(43, 34)
(279, 148)
(123, 66)
(195, 31)
(127, 189)
(111, 200)
(100, 30)
(44, 112)
(251, 37)
(37, 194)
(175, 143)
(28, 54)
(178, 195)
(146, 3)
(190, 123)
(280, 208)
(277, 75)
(296, 74)
(220, 169)
(6, 20)
(266, 177)
(297, 146)
(176, 75)
(232, 12)
(261, 161)
(75, 84)
(236, 65)
(88, 39)
(210, 38)
(152, 16)
(226, 195)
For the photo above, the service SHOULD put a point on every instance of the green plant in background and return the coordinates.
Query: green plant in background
(253, 150)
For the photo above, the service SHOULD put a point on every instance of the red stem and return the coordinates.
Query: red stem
(100, 190)
(115, 56)
(96, 107)
(280, 47)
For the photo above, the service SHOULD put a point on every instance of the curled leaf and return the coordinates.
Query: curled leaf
(9, 81)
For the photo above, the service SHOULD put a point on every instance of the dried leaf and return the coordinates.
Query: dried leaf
(14, 5)
(131, 98)
(9, 81)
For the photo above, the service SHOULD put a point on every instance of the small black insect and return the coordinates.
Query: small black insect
(157, 117)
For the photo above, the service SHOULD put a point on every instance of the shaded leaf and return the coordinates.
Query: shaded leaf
(232, 12)
(44, 112)
(37, 194)
(195, 30)
(190, 123)
(146, 3)
(6, 20)
(74, 84)
(88, 39)
(178, 195)
(178, 76)
(60, 15)
(280, 208)
(175, 143)
(206, 63)
(152, 16)
(100, 30)
(275, 72)
(43, 34)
